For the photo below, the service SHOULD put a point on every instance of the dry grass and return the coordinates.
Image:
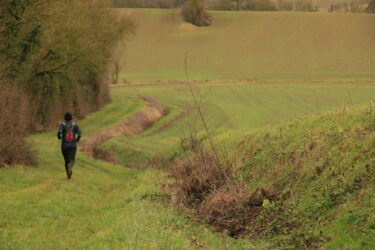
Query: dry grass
(194, 178)
(202, 184)
(233, 210)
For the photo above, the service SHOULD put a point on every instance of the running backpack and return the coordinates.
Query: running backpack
(69, 133)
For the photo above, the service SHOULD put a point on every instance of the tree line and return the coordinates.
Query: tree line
(54, 57)
(167, 4)
(291, 5)
(352, 6)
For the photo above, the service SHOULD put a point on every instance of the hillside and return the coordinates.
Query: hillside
(242, 45)
(322, 169)
(304, 184)
(231, 108)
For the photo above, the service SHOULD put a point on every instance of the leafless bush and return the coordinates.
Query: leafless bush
(233, 209)
(16, 112)
(194, 11)
(211, 189)
(195, 178)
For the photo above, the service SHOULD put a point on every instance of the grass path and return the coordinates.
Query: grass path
(104, 206)
(108, 206)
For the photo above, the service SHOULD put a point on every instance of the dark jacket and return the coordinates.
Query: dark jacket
(62, 131)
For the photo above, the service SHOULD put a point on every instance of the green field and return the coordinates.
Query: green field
(249, 45)
(230, 109)
(310, 62)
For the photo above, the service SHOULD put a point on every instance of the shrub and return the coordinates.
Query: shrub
(194, 12)
(196, 177)
(200, 182)
(16, 112)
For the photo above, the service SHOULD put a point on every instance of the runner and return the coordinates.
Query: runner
(69, 133)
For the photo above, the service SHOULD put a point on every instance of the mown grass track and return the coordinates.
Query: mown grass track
(104, 206)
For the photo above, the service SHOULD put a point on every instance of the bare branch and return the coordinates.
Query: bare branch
(198, 107)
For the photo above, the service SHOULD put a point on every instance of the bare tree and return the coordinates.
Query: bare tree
(238, 4)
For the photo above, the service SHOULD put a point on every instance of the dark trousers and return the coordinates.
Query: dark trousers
(69, 153)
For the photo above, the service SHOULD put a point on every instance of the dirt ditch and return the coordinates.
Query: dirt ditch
(134, 124)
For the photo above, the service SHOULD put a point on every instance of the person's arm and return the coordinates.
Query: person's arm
(79, 133)
(59, 132)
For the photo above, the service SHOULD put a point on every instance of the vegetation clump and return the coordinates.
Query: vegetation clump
(195, 178)
(194, 12)
(203, 183)
(15, 124)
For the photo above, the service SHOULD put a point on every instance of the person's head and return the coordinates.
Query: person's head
(68, 117)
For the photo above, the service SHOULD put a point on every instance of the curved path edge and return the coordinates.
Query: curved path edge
(136, 123)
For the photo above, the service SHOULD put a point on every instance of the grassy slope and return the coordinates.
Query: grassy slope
(323, 168)
(263, 45)
(232, 108)
(103, 207)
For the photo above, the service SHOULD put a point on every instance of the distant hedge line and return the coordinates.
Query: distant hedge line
(167, 4)
(349, 6)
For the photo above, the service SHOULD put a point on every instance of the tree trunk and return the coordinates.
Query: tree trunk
(238, 5)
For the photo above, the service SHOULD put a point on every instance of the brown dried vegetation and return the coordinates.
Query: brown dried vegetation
(203, 184)
(16, 121)
(233, 210)
(195, 178)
